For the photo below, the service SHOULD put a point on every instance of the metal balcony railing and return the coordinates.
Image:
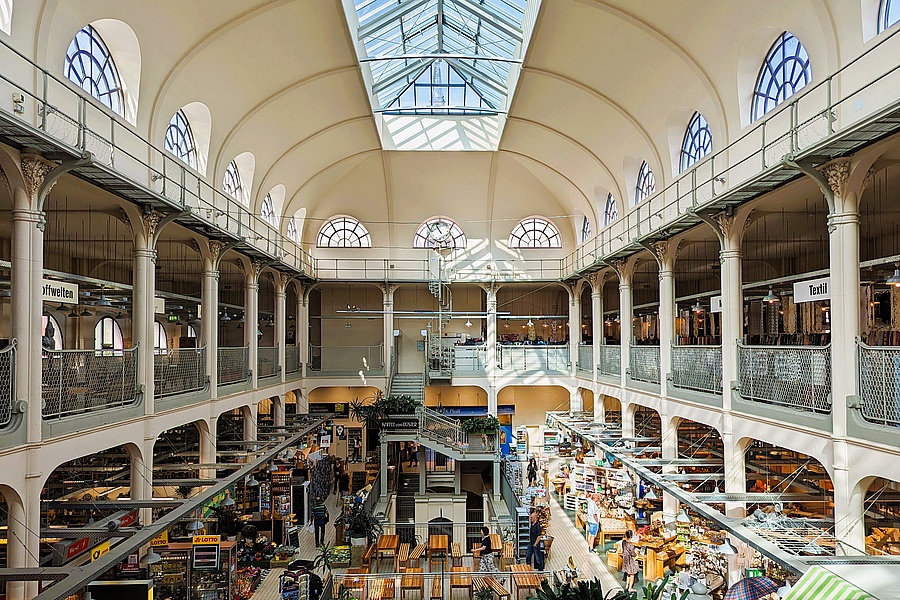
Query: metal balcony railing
(697, 368)
(447, 432)
(346, 359)
(179, 371)
(7, 382)
(80, 381)
(586, 358)
(469, 359)
(292, 359)
(798, 377)
(879, 384)
(610, 360)
(233, 365)
(266, 361)
(533, 358)
(645, 363)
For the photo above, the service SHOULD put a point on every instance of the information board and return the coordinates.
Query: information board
(206, 557)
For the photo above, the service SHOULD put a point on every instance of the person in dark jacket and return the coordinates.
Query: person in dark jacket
(320, 519)
(534, 544)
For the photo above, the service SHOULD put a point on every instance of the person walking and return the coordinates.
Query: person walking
(535, 544)
(320, 519)
(532, 472)
(486, 565)
(336, 471)
(629, 561)
(345, 483)
(593, 520)
(413, 454)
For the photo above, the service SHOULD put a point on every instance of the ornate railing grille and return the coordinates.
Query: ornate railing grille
(610, 360)
(7, 383)
(79, 381)
(346, 359)
(697, 368)
(179, 371)
(233, 365)
(533, 358)
(266, 362)
(586, 358)
(798, 377)
(292, 359)
(879, 384)
(645, 363)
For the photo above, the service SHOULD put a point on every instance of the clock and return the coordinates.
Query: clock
(439, 233)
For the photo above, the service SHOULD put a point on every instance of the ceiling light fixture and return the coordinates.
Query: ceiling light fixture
(225, 318)
(530, 323)
(150, 558)
(651, 495)
(468, 322)
(771, 297)
(86, 313)
(726, 548)
(72, 314)
(348, 325)
(61, 307)
(682, 517)
(894, 279)
(697, 308)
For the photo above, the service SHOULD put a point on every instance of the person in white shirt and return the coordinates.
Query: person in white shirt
(593, 520)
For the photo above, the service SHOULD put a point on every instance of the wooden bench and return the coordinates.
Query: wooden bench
(403, 557)
(456, 554)
(366, 560)
(416, 555)
(382, 589)
(437, 589)
(490, 583)
(412, 579)
(458, 580)
(507, 557)
(526, 579)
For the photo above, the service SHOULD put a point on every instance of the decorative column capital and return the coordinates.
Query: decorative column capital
(388, 290)
(836, 175)
(34, 169)
(151, 221)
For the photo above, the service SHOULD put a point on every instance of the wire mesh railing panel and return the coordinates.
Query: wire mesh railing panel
(233, 365)
(346, 359)
(610, 360)
(879, 384)
(792, 376)
(7, 383)
(80, 381)
(292, 359)
(533, 358)
(645, 363)
(266, 361)
(179, 371)
(440, 428)
(586, 358)
(697, 368)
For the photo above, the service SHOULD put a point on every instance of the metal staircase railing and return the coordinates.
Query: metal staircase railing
(447, 432)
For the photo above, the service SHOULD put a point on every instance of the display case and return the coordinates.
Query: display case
(213, 572)
(521, 441)
(551, 442)
(171, 571)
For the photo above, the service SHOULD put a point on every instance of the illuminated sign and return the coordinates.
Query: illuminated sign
(206, 539)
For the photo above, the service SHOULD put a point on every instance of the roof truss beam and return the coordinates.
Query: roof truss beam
(495, 19)
(402, 74)
(388, 18)
(481, 76)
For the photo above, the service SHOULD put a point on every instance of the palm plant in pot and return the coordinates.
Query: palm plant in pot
(487, 427)
(362, 525)
(228, 521)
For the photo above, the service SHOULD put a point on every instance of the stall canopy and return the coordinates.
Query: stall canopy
(821, 584)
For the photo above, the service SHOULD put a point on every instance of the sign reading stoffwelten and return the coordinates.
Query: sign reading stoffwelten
(58, 291)
(814, 289)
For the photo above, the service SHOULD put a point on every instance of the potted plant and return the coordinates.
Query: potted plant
(362, 525)
(487, 427)
(228, 521)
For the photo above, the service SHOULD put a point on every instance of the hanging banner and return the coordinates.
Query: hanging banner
(814, 289)
(58, 291)
(715, 304)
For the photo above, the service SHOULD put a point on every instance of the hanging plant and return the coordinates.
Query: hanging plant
(487, 425)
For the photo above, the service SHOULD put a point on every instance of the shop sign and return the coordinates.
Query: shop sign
(160, 540)
(131, 565)
(77, 547)
(400, 423)
(99, 550)
(198, 540)
(58, 291)
(715, 304)
(159, 305)
(340, 409)
(128, 519)
(814, 289)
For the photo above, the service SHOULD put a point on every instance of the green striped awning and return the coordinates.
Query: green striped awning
(822, 584)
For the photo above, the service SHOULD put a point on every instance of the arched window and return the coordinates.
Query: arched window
(535, 232)
(90, 66)
(55, 334)
(292, 233)
(697, 141)
(267, 211)
(785, 71)
(612, 211)
(888, 15)
(343, 232)
(191, 332)
(439, 233)
(6, 8)
(180, 140)
(108, 335)
(160, 340)
(232, 182)
(646, 185)
(585, 229)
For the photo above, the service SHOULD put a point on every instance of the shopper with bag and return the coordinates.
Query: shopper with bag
(535, 543)
(320, 520)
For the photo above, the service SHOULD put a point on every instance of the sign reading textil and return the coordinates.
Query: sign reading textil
(814, 289)
(58, 291)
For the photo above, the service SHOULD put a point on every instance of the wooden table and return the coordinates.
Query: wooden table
(459, 580)
(611, 528)
(480, 583)
(353, 581)
(437, 547)
(381, 588)
(412, 579)
(525, 578)
(387, 546)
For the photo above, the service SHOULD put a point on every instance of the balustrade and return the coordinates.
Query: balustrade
(697, 368)
(74, 382)
(798, 377)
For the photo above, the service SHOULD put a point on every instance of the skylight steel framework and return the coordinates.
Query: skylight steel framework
(479, 40)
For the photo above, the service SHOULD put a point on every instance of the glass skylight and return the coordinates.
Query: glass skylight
(440, 56)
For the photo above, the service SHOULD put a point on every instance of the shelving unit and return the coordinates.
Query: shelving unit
(170, 573)
(523, 525)
(281, 493)
(521, 441)
(551, 442)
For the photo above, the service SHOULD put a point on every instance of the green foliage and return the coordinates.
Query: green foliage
(345, 594)
(325, 558)
(362, 523)
(249, 532)
(654, 591)
(489, 424)
(484, 594)
(584, 590)
(228, 521)
(382, 406)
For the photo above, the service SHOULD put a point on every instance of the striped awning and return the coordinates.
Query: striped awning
(822, 584)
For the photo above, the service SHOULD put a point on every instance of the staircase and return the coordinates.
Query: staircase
(409, 384)
(444, 435)
(405, 507)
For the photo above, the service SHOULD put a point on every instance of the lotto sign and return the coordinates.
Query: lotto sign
(161, 540)
(205, 540)
(99, 550)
